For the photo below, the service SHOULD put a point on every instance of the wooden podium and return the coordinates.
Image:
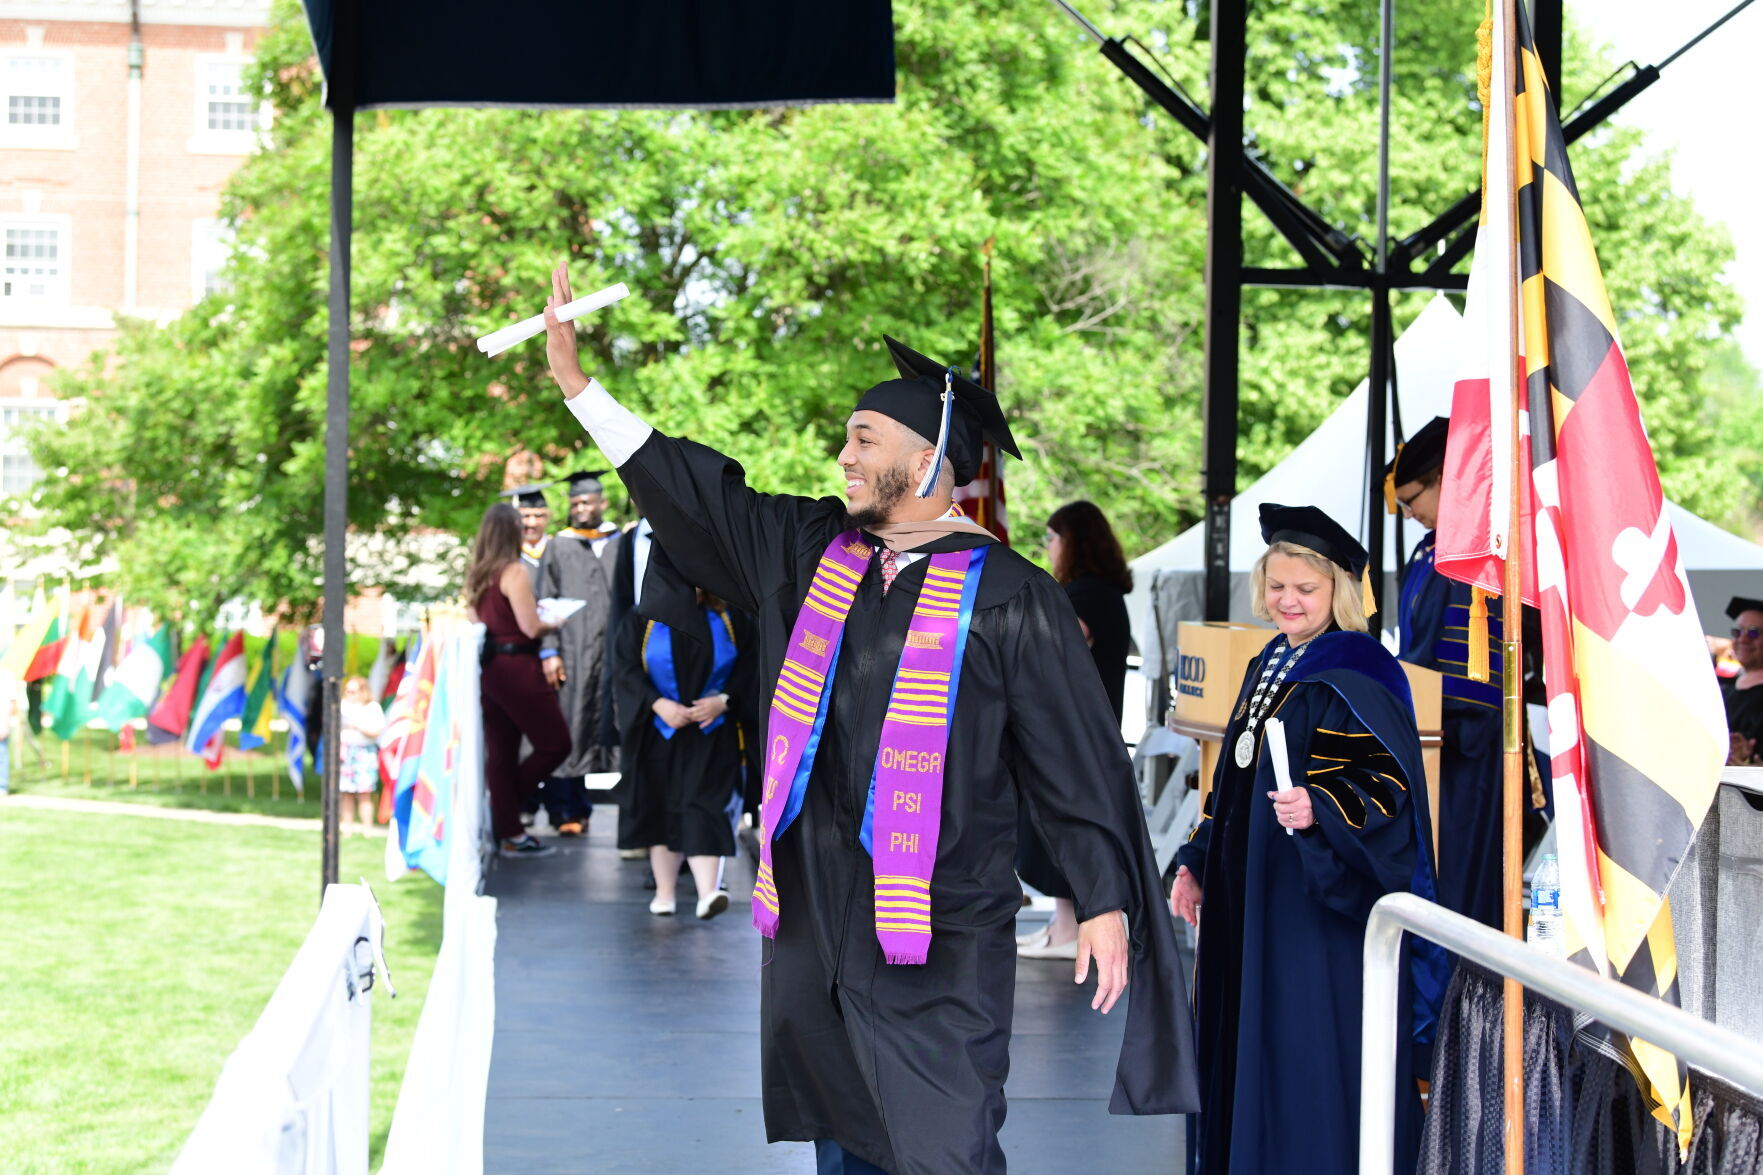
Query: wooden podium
(1210, 662)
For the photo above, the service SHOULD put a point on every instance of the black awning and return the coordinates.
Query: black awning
(591, 53)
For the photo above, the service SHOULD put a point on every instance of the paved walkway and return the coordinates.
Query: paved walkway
(158, 812)
(627, 1043)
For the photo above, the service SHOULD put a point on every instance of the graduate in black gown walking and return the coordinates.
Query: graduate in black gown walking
(953, 685)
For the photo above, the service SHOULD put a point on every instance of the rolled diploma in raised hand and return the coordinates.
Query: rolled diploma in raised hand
(1276, 746)
(499, 341)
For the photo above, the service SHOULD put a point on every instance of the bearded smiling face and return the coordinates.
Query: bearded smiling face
(878, 462)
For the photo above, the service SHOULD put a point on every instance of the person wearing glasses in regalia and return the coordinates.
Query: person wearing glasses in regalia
(1317, 810)
(923, 683)
(1436, 633)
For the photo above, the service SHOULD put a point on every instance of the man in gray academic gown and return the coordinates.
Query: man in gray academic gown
(577, 565)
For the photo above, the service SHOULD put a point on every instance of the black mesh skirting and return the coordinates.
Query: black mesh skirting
(1584, 1115)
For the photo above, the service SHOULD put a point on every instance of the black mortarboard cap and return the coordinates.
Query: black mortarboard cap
(530, 497)
(916, 401)
(585, 481)
(1742, 604)
(1309, 527)
(1423, 454)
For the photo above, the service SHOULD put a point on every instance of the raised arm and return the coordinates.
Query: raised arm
(723, 535)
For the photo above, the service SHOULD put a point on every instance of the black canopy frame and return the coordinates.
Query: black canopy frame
(1332, 259)
(702, 54)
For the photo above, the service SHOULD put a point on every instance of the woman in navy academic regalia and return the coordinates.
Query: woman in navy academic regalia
(1289, 857)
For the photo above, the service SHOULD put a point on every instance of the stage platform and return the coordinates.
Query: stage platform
(627, 1043)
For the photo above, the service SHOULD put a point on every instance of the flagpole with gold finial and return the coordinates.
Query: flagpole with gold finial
(1511, 611)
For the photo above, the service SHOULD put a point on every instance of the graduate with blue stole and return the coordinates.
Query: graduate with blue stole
(1317, 809)
(682, 656)
(1444, 628)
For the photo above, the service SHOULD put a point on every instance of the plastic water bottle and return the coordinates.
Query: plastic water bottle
(1545, 908)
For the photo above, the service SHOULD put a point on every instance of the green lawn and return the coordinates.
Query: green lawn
(254, 781)
(135, 954)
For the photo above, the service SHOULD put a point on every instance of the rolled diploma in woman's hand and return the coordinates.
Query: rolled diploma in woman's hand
(1276, 747)
(499, 341)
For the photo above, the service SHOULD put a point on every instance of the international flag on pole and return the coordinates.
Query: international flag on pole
(398, 713)
(27, 640)
(259, 700)
(172, 714)
(135, 687)
(68, 706)
(1637, 733)
(47, 658)
(290, 699)
(414, 807)
(223, 698)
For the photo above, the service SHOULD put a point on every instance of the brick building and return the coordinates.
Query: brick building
(120, 121)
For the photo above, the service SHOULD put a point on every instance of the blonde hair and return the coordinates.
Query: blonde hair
(1349, 608)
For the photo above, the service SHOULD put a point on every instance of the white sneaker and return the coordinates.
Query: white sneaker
(657, 906)
(713, 905)
(1036, 935)
(1048, 949)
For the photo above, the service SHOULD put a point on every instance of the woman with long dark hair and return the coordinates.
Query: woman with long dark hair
(517, 700)
(1087, 561)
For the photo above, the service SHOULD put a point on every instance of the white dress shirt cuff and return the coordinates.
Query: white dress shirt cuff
(614, 427)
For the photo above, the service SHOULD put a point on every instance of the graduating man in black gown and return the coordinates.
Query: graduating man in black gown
(896, 1065)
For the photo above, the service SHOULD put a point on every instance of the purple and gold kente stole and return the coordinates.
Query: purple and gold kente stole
(908, 781)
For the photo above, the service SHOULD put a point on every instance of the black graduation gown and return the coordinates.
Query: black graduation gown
(681, 786)
(1435, 634)
(1102, 607)
(1278, 979)
(572, 569)
(904, 1066)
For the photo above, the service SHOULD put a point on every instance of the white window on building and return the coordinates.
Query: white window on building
(37, 92)
(18, 473)
(211, 243)
(33, 261)
(227, 115)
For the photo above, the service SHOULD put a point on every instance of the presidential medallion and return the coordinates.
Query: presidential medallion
(1246, 748)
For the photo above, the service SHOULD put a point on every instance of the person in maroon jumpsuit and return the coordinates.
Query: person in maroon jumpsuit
(517, 700)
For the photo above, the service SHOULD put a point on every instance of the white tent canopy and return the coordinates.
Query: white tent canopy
(1328, 470)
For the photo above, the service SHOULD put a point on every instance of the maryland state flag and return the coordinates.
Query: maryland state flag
(1637, 734)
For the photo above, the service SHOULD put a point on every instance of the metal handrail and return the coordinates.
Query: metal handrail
(1698, 1043)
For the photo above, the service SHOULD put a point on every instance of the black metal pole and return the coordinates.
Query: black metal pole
(1545, 23)
(1377, 406)
(336, 419)
(1224, 291)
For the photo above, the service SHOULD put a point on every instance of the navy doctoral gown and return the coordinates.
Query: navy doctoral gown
(904, 1066)
(1278, 979)
(1435, 635)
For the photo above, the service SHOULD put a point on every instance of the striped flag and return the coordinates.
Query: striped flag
(27, 640)
(259, 702)
(47, 658)
(223, 697)
(1637, 733)
(68, 706)
(134, 689)
(290, 698)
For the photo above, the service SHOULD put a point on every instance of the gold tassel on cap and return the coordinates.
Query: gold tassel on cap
(1366, 598)
(1389, 483)
(1478, 635)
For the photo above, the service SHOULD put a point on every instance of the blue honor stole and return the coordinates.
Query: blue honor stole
(658, 660)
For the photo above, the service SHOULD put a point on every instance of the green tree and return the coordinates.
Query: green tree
(768, 251)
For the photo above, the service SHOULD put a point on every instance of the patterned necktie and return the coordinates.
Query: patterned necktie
(890, 567)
